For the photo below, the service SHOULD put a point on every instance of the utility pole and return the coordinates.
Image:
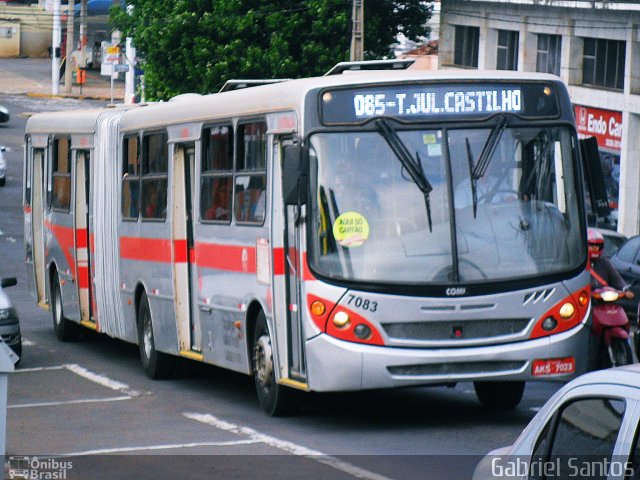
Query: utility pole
(55, 49)
(68, 71)
(83, 34)
(130, 62)
(357, 35)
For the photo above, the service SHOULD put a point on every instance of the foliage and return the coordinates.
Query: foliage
(196, 45)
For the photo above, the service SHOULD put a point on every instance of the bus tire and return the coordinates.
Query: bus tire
(499, 395)
(276, 400)
(64, 329)
(156, 365)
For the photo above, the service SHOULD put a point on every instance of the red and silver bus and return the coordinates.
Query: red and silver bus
(347, 232)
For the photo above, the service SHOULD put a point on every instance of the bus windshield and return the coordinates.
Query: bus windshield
(501, 204)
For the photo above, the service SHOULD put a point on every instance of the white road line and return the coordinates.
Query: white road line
(69, 402)
(106, 451)
(27, 343)
(89, 375)
(101, 379)
(289, 447)
(38, 369)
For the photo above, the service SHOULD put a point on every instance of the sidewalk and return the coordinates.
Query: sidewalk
(32, 76)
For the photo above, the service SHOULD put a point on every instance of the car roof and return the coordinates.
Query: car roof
(627, 375)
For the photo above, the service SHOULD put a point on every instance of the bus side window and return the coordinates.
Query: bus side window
(251, 173)
(216, 174)
(61, 191)
(130, 178)
(154, 176)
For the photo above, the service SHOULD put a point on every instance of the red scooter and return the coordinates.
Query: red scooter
(611, 325)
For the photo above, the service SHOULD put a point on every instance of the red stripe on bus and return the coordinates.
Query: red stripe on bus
(64, 237)
(81, 238)
(83, 277)
(145, 249)
(278, 261)
(180, 251)
(233, 258)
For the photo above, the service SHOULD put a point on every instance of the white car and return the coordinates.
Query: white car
(9, 323)
(588, 429)
(3, 166)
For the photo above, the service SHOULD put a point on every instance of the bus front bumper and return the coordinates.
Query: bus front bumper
(336, 365)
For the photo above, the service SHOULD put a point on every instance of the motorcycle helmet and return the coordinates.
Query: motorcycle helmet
(595, 240)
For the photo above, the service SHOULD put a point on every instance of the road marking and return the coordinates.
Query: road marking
(535, 409)
(289, 447)
(27, 343)
(38, 369)
(11, 240)
(69, 402)
(106, 451)
(89, 375)
(101, 379)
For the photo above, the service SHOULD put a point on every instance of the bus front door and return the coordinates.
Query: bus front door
(184, 271)
(293, 230)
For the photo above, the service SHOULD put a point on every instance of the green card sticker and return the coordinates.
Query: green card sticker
(428, 138)
(351, 229)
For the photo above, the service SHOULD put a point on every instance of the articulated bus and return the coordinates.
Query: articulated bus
(346, 232)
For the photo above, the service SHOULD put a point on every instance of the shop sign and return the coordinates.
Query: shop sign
(605, 125)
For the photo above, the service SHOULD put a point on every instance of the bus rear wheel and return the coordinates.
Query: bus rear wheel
(275, 400)
(499, 395)
(64, 329)
(156, 365)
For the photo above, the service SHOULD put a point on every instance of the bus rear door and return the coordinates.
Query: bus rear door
(184, 267)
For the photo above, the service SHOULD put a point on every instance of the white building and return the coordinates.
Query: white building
(594, 46)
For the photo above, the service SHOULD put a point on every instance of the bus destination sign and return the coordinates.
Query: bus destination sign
(430, 102)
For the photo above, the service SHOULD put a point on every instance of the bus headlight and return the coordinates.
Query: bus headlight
(341, 319)
(567, 310)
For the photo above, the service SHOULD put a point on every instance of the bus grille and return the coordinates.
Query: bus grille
(446, 330)
(455, 368)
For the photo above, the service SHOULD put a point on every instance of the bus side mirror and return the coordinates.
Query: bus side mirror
(295, 165)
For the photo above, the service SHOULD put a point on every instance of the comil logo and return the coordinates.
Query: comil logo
(34, 468)
(455, 291)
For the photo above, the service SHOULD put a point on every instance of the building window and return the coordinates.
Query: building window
(61, 189)
(548, 55)
(507, 50)
(217, 174)
(603, 63)
(466, 46)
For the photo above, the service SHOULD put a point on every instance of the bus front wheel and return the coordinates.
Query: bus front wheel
(275, 400)
(156, 365)
(64, 329)
(499, 395)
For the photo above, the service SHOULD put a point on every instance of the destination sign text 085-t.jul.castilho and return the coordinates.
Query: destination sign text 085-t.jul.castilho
(419, 102)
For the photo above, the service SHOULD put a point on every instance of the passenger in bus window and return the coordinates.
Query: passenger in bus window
(219, 209)
(151, 209)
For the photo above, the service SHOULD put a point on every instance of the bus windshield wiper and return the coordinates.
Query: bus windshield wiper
(478, 170)
(412, 165)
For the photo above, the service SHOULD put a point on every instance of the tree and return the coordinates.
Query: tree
(196, 45)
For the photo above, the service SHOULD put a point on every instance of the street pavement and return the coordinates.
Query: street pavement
(32, 77)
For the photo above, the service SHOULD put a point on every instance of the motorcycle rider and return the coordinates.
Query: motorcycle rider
(603, 272)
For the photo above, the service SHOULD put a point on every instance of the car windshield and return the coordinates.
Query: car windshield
(487, 204)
